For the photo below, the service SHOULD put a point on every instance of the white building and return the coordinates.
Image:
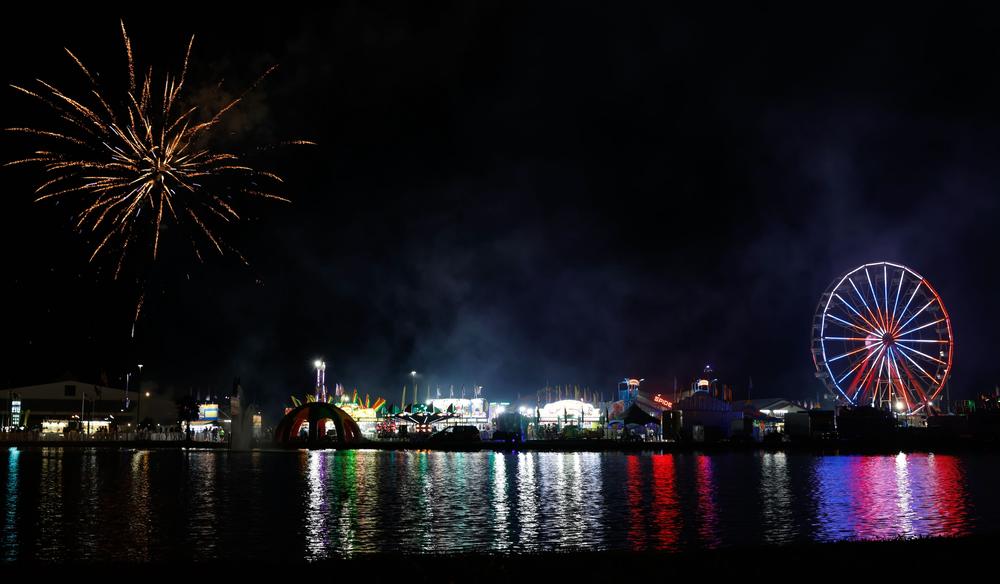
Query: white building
(569, 412)
(54, 407)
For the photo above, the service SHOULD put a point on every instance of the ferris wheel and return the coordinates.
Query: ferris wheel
(882, 338)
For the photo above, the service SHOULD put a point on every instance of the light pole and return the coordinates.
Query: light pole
(138, 405)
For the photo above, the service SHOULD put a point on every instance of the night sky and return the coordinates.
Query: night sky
(514, 196)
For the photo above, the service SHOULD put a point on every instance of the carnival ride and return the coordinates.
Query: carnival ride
(882, 338)
(313, 416)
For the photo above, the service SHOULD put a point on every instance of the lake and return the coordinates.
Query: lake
(136, 505)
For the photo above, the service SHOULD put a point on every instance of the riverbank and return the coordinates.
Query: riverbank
(880, 446)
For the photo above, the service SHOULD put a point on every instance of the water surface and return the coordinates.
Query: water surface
(104, 504)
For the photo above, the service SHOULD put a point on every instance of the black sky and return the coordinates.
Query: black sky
(512, 195)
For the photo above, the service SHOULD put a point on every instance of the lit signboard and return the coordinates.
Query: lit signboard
(208, 412)
(659, 399)
(15, 412)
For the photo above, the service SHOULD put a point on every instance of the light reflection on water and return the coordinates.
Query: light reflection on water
(879, 497)
(10, 507)
(775, 494)
(160, 505)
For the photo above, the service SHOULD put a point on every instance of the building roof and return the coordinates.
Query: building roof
(59, 385)
(776, 403)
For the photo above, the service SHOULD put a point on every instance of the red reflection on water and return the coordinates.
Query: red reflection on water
(636, 530)
(665, 510)
(947, 486)
(880, 497)
(708, 527)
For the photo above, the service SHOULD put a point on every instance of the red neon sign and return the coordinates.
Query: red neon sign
(662, 401)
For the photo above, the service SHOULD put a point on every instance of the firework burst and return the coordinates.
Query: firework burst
(133, 168)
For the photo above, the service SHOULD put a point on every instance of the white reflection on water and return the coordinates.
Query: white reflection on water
(10, 543)
(426, 499)
(776, 498)
(903, 498)
(554, 512)
(87, 535)
(589, 486)
(205, 501)
(527, 490)
(140, 522)
(501, 501)
(564, 511)
(317, 507)
(51, 521)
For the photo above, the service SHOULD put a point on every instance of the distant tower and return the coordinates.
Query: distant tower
(320, 393)
(707, 383)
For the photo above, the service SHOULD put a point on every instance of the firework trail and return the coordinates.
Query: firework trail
(133, 168)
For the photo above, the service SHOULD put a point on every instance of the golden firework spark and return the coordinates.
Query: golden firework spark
(136, 167)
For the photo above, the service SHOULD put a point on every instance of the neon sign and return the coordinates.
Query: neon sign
(663, 401)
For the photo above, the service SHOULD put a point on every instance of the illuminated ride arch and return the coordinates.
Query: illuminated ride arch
(882, 338)
(311, 414)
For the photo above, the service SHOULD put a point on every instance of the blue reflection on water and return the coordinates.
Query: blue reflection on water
(10, 507)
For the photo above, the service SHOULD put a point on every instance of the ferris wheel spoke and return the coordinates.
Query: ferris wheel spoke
(858, 387)
(914, 382)
(858, 370)
(847, 354)
(929, 302)
(868, 308)
(867, 379)
(923, 326)
(857, 366)
(902, 275)
(853, 325)
(922, 370)
(899, 380)
(935, 359)
(861, 316)
(908, 302)
(885, 294)
(878, 311)
(878, 381)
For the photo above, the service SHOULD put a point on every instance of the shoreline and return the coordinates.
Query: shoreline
(825, 447)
